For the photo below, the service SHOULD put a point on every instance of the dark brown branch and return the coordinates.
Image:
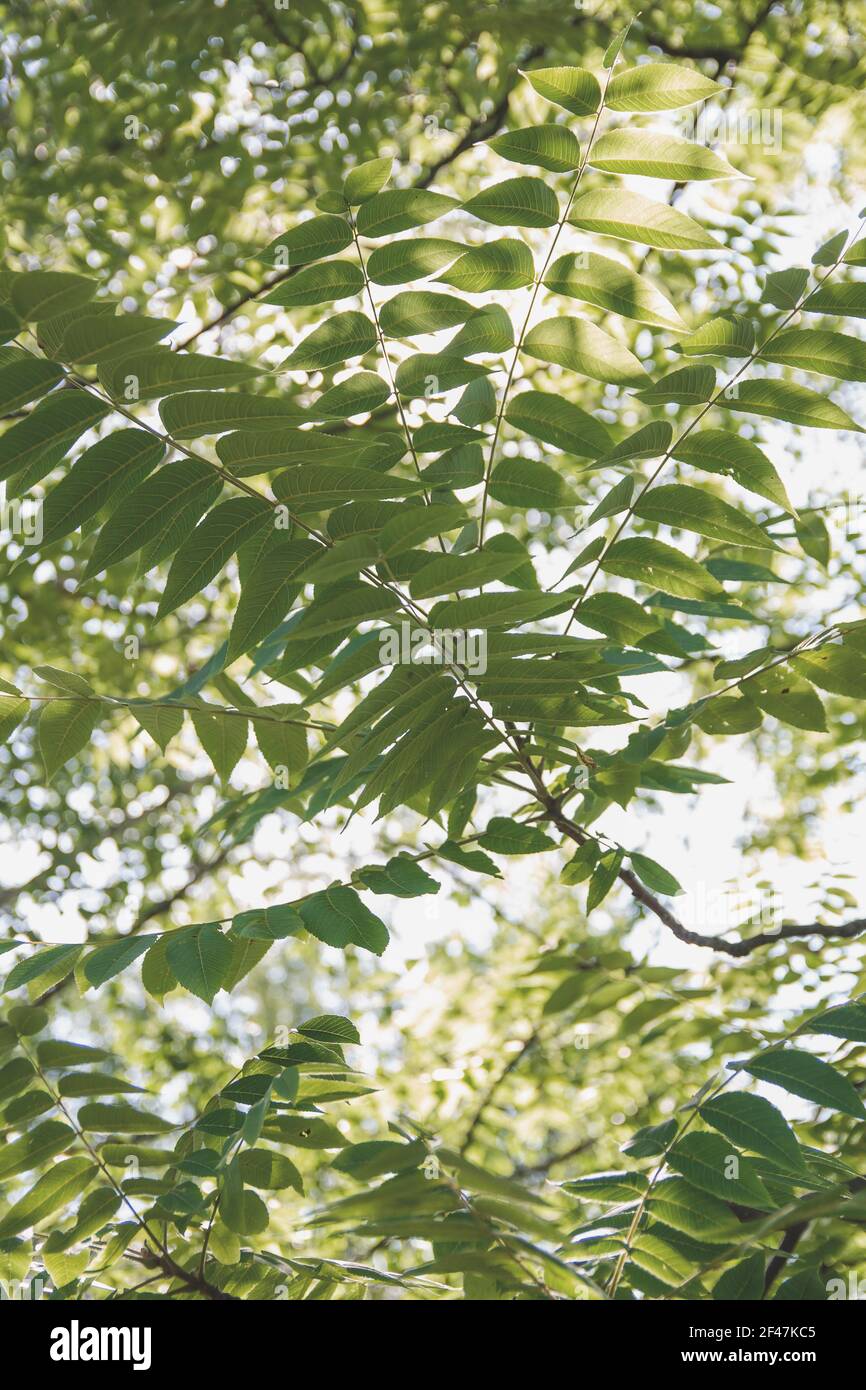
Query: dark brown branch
(643, 895)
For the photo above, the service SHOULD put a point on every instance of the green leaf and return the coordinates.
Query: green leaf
(194, 413)
(223, 736)
(94, 338)
(10, 326)
(149, 375)
(267, 591)
(265, 1168)
(836, 668)
(813, 350)
(42, 294)
(35, 1148)
(604, 876)
(497, 610)
(401, 877)
(23, 381)
(346, 608)
(711, 1164)
(558, 422)
(785, 288)
(448, 574)
(93, 1083)
(610, 285)
(337, 916)
(756, 1125)
(15, 1077)
(318, 284)
(159, 513)
(788, 698)
(122, 458)
(162, 722)
(813, 537)
(422, 311)
(358, 394)
(847, 1021)
(782, 400)
(676, 504)
(416, 524)
(308, 241)
(318, 487)
(505, 836)
(581, 347)
(499, 265)
(654, 875)
(13, 708)
(657, 155)
(529, 483)
(65, 727)
(686, 386)
(330, 1028)
(742, 1281)
(268, 923)
(107, 961)
(631, 217)
(846, 301)
(618, 617)
(27, 1019)
(366, 179)
(31, 448)
(282, 740)
(725, 336)
(650, 441)
(121, 1118)
(411, 259)
(213, 542)
(574, 89)
(200, 958)
(552, 147)
(680, 1206)
(55, 1189)
(720, 451)
(808, 1076)
(520, 202)
(402, 208)
(52, 958)
(435, 373)
(653, 563)
(64, 680)
(486, 330)
(54, 1053)
(340, 337)
(658, 87)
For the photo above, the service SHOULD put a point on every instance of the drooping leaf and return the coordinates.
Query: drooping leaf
(200, 957)
(610, 285)
(65, 727)
(808, 1076)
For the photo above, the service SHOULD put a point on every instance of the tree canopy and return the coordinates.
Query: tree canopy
(432, 651)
